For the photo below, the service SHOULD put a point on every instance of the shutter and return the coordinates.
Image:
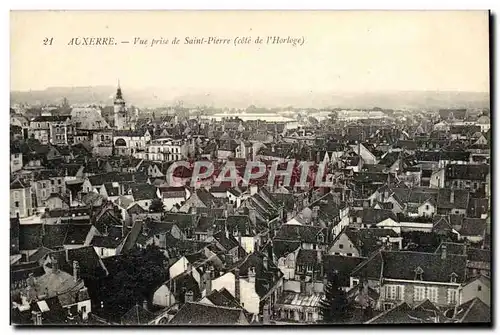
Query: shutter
(402, 292)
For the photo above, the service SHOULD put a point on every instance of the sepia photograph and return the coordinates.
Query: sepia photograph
(250, 168)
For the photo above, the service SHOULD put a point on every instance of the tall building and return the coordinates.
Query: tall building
(120, 111)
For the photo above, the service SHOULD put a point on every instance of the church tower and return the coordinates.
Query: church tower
(120, 111)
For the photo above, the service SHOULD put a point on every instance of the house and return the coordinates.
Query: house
(484, 122)
(142, 194)
(298, 307)
(177, 290)
(363, 242)
(472, 230)
(412, 277)
(105, 246)
(255, 282)
(16, 160)
(173, 196)
(201, 198)
(56, 201)
(21, 205)
(403, 313)
(128, 142)
(194, 313)
(478, 287)
(452, 201)
(471, 176)
(55, 282)
(473, 311)
(137, 315)
(310, 237)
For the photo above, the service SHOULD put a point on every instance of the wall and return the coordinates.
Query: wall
(476, 289)
(424, 211)
(163, 297)
(16, 162)
(437, 179)
(105, 252)
(347, 247)
(408, 294)
(249, 298)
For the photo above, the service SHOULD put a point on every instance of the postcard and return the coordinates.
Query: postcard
(250, 168)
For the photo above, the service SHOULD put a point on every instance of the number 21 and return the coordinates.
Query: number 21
(48, 41)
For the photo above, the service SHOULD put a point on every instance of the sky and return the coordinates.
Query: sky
(342, 51)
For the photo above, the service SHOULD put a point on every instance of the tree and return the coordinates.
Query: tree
(334, 307)
(156, 206)
(133, 278)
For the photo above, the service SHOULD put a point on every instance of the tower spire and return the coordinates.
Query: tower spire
(119, 95)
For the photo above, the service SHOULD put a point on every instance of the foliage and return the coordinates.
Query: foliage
(156, 206)
(334, 307)
(133, 277)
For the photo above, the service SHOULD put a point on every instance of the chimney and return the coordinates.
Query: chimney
(66, 252)
(303, 283)
(145, 304)
(208, 284)
(188, 297)
(237, 288)
(320, 262)
(76, 271)
(189, 267)
(452, 197)
(251, 275)
(465, 247)
(265, 262)
(443, 252)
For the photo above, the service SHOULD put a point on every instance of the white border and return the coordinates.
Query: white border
(200, 4)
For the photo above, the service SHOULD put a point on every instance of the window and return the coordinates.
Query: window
(388, 306)
(432, 294)
(341, 246)
(52, 182)
(452, 296)
(17, 204)
(16, 195)
(355, 282)
(309, 316)
(426, 207)
(349, 254)
(84, 309)
(479, 288)
(59, 182)
(419, 293)
(394, 292)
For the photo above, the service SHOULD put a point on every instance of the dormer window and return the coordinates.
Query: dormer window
(321, 238)
(453, 277)
(419, 273)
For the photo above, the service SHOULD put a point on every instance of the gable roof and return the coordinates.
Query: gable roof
(402, 265)
(473, 311)
(193, 313)
(137, 315)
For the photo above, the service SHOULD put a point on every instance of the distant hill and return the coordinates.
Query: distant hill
(154, 97)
